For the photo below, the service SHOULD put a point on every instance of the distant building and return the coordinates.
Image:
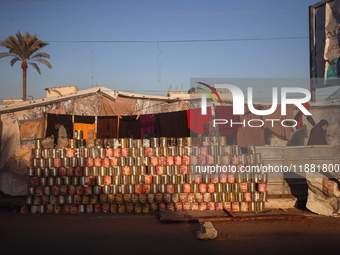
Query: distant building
(226, 94)
(57, 91)
(12, 101)
(51, 92)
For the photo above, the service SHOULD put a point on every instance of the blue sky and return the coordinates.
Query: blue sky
(134, 67)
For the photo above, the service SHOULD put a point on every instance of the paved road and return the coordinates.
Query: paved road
(144, 234)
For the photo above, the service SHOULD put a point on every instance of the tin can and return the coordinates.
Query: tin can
(71, 190)
(69, 199)
(37, 153)
(264, 178)
(79, 171)
(81, 208)
(174, 179)
(186, 206)
(151, 198)
(194, 206)
(154, 188)
(247, 196)
(138, 143)
(170, 188)
(90, 180)
(70, 152)
(252, 206)
(183, 197)
(194, 187)
(170, 207)
(85, 199)
(129, 207)
(198, 197)
(159, 197)
(174, 198)
(206, 197)
(77, 199)
(39, 191)
(180, 151)
(146, 188)
(143, 198)
(66, 162)
(163, 142)
(70, 171)
(31, 190)
(135, 198)
(172, 151)
(138, 188)
(262, 187)
(177, 160)
(235, 206)
(146, 143)
(114, 189)
(260, 206)
(126, 152)
(126, 170)
(186, 188)
(256, 196)
(162, 188)
(190, 178)
(206, 141)
(89, 207)
(30, 171)
(35, 181)
(154, 142)
(66, 180)
(81, 143)
(204, 151)
(202, 188)
(138, 208)
(198, 178)
(216, 197)
(252, 187)
(211, 206)
(243, 187)
(180, 178)
(63, 190)
(175, 169)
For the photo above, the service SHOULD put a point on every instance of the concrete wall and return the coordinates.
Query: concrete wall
(295, 182)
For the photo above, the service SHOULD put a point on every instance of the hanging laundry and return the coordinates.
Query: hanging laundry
(148, 125)
(121, 106)
(197, 122)
(172, 124)
(129, 127)
(84, 123)
(226, 113)
(107, 127)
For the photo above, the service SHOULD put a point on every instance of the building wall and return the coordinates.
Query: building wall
(57, 91)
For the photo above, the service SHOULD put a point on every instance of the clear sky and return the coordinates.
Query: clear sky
(111, 30)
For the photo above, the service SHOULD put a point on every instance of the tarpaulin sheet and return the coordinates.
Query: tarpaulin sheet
(121, 106)
(323, 194)
(147, 106)
(13, 169)
(87, 106)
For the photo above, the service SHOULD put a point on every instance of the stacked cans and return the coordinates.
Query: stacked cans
(135, 175)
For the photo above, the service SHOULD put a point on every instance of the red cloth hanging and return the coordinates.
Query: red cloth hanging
(197, 122)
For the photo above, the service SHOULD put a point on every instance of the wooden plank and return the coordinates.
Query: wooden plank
(279, 217)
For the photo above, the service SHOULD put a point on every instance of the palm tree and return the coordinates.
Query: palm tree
(25, 49)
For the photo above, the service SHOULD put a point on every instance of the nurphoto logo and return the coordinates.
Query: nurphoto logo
(238, 101)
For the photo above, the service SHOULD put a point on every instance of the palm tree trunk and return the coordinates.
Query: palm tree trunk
(24, 80)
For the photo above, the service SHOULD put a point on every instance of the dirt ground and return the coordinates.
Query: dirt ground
(144, 234)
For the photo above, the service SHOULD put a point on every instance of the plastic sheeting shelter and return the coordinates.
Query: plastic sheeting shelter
(23, 122)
